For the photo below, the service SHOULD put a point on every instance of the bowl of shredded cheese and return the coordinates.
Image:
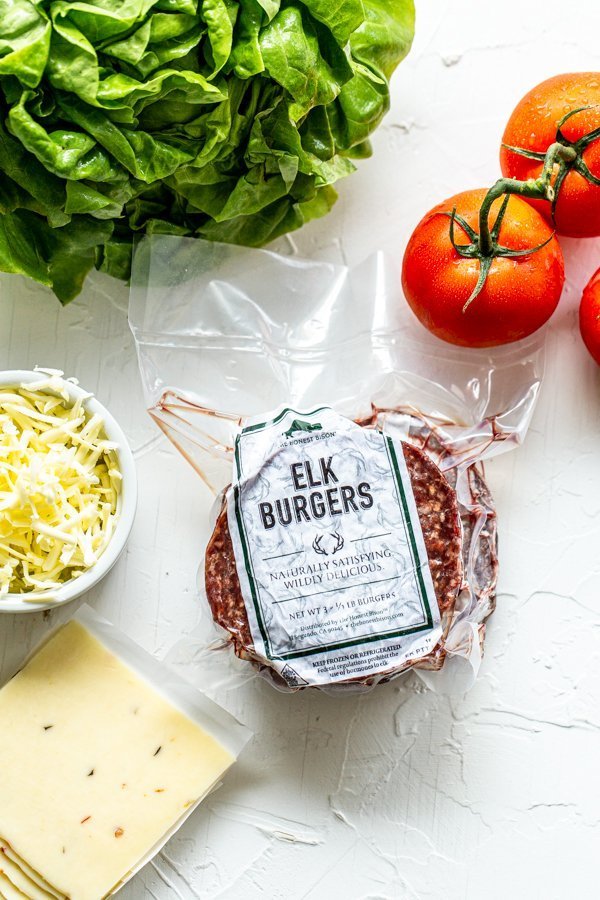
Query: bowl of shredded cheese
(67, 490)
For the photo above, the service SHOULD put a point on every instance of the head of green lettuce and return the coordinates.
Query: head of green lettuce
(225, 119)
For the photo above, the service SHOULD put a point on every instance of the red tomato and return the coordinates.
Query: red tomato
(533, 127)
(519, 295)
(589, 316)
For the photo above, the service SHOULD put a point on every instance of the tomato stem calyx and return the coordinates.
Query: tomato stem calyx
(487, 253)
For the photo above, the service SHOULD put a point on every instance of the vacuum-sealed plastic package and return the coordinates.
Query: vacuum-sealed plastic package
(355, 537)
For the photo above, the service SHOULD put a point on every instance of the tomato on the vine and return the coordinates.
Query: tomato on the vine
(589, 316)
(483, 293)
(563, 109)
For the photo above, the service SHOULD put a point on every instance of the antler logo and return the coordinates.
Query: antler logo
(328, 544)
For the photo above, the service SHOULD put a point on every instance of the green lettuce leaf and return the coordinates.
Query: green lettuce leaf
(57, 257)
(25, 35)
(229, 120)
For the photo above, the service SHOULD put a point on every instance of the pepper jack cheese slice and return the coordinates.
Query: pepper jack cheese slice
(14, 873)
(37, 887)
(7, 889)
(96, 767)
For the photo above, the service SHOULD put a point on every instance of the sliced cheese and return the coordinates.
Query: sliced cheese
(96, 766)
(59, 488)
(34, 877)
(8, 891)
(19, 879)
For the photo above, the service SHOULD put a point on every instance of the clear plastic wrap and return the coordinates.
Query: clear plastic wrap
(225, 334)
(229, 734)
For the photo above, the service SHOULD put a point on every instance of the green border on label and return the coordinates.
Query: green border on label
(254, 590)
(409, 524)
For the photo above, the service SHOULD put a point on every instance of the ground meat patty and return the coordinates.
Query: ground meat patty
(438, 513)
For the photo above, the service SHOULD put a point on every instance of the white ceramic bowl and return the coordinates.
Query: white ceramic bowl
(14, 603)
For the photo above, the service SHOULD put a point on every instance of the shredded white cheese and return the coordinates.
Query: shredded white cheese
(59, 487)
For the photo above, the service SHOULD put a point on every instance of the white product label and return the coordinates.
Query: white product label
(329, 548)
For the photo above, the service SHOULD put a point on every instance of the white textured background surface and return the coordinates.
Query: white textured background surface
(402, 794)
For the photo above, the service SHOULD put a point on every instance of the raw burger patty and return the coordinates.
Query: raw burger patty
(438, 514)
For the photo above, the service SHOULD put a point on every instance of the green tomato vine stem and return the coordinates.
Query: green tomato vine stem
(540, 188)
